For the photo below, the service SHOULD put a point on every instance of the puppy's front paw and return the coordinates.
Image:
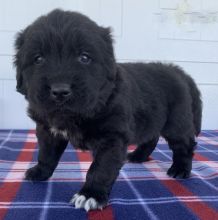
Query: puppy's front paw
(36, 173)
(81, 201)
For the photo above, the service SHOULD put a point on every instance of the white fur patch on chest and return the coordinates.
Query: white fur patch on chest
(56, 132)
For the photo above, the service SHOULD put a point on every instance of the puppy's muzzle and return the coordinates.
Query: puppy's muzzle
(60, 91)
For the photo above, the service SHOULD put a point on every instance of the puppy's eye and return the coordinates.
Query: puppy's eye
(38, 59)
(84, 58)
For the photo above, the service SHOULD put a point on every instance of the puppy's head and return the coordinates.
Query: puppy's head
(65, 61)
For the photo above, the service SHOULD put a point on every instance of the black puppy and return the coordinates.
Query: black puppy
(77, 92)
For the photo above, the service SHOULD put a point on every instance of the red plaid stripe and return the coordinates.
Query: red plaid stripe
(8, 190)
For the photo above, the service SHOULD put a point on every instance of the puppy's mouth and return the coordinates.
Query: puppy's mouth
(62, 103)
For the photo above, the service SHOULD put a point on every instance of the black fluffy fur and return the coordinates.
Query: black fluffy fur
(110, 106)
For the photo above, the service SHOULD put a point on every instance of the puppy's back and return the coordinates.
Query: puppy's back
(164, 83)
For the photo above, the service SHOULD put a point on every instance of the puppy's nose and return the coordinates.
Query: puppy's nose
(60, 91)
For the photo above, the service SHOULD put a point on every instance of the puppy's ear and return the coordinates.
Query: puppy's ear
(18, 63)
(107, 36)
(19, 40)
(21, 88)
(109, 52)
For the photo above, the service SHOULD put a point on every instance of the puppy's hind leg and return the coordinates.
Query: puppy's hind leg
(179, 132)
(143, 151)
(182, 157)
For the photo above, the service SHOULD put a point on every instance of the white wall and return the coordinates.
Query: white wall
(181, 31)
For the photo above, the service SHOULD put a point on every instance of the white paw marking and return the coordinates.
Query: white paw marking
(80, 201)
(56, 131)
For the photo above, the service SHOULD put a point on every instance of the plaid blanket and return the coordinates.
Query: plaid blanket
(142, 191)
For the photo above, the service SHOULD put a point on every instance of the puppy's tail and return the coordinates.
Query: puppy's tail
(196, 104)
